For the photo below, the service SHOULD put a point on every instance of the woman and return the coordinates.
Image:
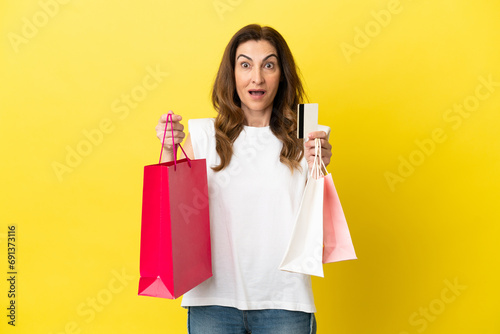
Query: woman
(257, 170)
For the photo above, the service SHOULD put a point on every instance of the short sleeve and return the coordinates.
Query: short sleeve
(202, 132)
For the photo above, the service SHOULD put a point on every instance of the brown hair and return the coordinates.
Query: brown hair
(230, 116)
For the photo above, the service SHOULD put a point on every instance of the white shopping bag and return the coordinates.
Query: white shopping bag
(305, 250)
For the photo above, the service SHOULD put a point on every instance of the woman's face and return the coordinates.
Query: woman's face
(257, 74)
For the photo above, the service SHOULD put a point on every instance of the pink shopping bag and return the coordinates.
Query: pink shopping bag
(336, 237)
(175, 253)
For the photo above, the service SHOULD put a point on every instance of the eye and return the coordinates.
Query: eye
(270, 65)
(245, 65)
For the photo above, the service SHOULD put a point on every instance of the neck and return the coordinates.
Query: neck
(257, 118)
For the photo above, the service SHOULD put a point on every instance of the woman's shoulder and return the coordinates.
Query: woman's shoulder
(202, 134)
(201, 124)
(202, 128)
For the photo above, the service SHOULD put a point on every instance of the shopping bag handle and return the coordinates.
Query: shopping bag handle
(174, 146)
(318, 167)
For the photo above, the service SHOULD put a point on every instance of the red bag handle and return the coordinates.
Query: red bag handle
(174, 146)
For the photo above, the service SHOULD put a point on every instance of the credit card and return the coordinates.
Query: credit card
(307, 119)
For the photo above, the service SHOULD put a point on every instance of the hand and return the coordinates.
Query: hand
(178, 131)
(326, 148)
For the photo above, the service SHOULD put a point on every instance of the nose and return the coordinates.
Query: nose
(257, 77)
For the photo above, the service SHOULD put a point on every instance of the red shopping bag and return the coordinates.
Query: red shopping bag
(175, 254)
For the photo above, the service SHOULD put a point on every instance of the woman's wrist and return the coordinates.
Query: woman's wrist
(168, 155)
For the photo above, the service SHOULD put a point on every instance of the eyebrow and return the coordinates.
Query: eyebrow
(266, 58)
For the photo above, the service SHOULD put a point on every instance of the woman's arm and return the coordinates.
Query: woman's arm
(188, 147)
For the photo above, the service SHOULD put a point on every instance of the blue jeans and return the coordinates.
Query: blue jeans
(229, 320)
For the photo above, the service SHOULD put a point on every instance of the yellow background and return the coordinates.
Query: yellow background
(435, 226)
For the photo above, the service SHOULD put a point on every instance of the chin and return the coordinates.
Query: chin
(258, 106)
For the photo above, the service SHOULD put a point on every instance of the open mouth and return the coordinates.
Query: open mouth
(257, 92)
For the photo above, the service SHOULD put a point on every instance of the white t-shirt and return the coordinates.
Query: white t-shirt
(253, 203)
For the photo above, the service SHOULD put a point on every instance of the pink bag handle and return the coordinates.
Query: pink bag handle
(174, 146)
